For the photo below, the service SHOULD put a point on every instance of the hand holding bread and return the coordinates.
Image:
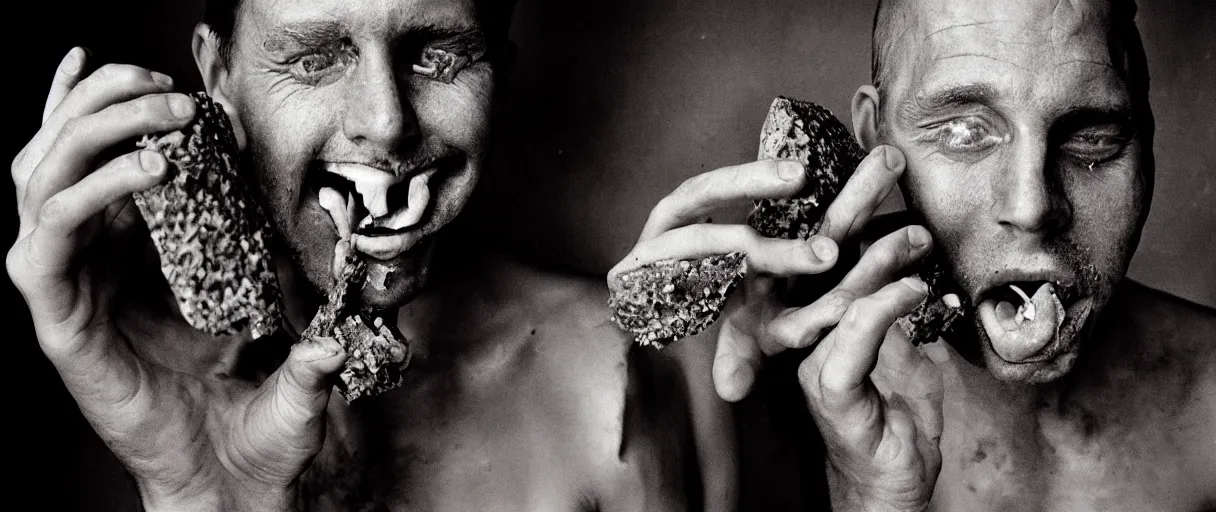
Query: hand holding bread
(192, 441)
(812, 192)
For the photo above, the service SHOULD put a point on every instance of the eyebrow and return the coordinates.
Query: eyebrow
(304, 34)
(928, 103)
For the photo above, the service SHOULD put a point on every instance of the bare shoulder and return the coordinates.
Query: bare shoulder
(1166, 333)
(1175, 361)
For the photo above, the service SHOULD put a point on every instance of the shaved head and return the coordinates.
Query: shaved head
(899, 25)
(1027, 133)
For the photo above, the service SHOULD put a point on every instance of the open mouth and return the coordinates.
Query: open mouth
(381, 212)
(1032, 320)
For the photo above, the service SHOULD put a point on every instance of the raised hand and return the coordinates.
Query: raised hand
(882, 444)
(192, 442)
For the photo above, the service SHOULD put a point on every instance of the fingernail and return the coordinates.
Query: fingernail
(915, 284)
(162, 79)
(73, 62)
(319, 349)
(181, 106)
(824, 248)
(151, 162)
(918, 237)
(894, 158)
(789, 170)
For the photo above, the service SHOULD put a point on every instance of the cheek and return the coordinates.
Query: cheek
(285, 135)
(951, 196)
(459, 112)
(1106, 203)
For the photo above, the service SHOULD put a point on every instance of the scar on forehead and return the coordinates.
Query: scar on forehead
(963, 25)
(982, 56)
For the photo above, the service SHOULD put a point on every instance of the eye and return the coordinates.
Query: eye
(967, 134)
(316, 67)
(443, 60)
(1095, 144)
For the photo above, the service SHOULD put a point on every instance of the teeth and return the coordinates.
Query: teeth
(419, 197)
(339, 210)
(372, 185)
(1026, 310)
(952, 300)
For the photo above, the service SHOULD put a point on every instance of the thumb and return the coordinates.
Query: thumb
(287, 416)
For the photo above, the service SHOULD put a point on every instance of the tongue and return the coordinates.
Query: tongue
(1020, 331)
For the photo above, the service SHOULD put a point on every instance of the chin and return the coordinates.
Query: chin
(393, 283)
(1053, 361)
(1032, 373)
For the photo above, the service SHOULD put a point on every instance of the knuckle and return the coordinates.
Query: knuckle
(859, 311)
(837, 300)
(12, 263)
(830, 384)
(808, 377)
(695, 186)
(19, 164)
(72, 130)
(121, 74)
(52, 212)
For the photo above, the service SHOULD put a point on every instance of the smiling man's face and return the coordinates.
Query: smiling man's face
(351, 126)
(1023, 155)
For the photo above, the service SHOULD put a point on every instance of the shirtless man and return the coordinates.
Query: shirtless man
(521, 394)
(1021, 134)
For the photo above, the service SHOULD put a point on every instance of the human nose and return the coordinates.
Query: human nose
(1029, 195)
(376, 110)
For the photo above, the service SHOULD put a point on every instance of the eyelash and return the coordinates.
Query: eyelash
(970, 134)
(440, 64)
(1094, 145)
(328, 57)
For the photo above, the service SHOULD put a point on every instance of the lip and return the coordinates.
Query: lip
(1064, 281)
(1076, 315)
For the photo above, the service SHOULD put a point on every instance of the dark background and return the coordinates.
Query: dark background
(614, 103)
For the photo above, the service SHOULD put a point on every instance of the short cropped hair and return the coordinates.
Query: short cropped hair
(220, 18)
(890, 15)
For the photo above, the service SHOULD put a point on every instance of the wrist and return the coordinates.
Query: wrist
(850, 493)
(228, 498)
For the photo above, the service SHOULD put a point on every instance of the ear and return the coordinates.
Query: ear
(215, 73)
(865, 117)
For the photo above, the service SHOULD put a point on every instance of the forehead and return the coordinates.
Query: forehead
(1026, 50)
(360, 15)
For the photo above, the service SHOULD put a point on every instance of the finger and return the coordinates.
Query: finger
(65, 211)
(736, 362)
(803, 327)
(765, 256)
(887, 260)
(872, 182)
(84, 138)
(857, 339)
(110, 84)
(881, 264)
(67, 75)
(705, 193)
(289, 410)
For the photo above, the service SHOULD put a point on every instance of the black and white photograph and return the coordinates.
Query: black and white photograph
(612, 256)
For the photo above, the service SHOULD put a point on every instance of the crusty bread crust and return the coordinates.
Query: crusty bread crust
(665, 301)
(211, 234)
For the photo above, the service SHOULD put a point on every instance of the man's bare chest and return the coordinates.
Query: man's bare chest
(1065, 462)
